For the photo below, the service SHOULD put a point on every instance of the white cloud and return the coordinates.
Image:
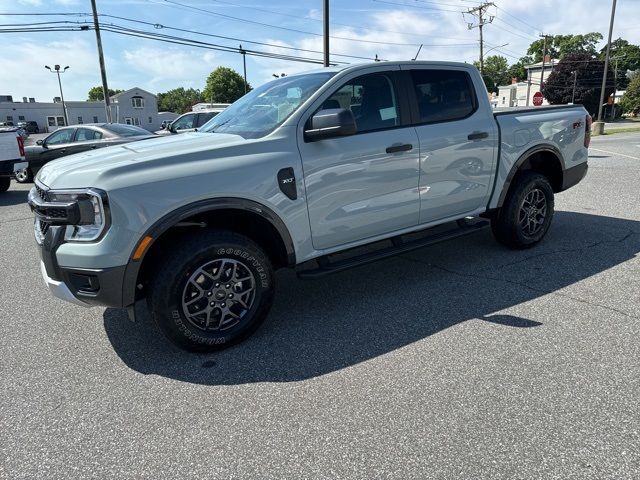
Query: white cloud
(170, 67)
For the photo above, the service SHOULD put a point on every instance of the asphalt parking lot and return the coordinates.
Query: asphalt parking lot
(463, 360)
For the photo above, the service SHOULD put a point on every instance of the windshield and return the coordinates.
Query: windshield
(264, 109)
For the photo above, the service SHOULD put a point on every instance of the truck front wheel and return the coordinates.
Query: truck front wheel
(213, 290)
(525, 217)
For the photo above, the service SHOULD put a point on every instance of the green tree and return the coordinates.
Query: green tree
(630, 101)
(96, 94)
(559, 46)
(558, 86)
(518, 70)
(628, 59)
(495, 72)
(224, 85)
(178, 100)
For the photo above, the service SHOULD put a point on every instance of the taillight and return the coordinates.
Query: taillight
(587, 130)
(21, 146)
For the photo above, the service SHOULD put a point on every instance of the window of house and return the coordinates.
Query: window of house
(51, 121)
(20, 117)
(128, 120)
(60, 121)
(136, 121)
(80, 120)
(9, 118)
(137, 102)
(504, 100)
(150, 120)
(95, 119)
(371, 99)
(443, 95)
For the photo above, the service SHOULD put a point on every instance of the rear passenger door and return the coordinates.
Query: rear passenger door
(86, 139)
(204, 117)
(457, 137)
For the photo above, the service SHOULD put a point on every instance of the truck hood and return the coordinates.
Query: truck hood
(93, 168)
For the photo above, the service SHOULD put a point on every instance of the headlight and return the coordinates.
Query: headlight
(93, 213)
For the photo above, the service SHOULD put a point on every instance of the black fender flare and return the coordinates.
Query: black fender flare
(186, 211)
(521, 160)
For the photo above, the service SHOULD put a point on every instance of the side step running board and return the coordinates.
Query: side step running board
(326, 266)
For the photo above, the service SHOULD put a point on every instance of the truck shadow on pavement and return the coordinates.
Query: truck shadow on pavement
(324, 325)
(15, 197)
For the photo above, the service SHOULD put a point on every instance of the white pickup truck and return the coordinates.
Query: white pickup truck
(11, 156)
(318, 171)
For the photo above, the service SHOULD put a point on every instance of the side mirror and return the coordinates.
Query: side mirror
(333, 122)
(40, 142)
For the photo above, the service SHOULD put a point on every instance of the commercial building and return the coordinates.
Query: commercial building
(134, 106)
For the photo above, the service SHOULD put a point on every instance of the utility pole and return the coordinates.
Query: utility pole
(103, 71)
(479, 12)
(615, 87)
(600, 128)
(244, 67)
(544, 57)
(575, 78)
(325, 22)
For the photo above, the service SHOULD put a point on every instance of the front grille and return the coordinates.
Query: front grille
(41, 228)
(43, 194)
(44, 227)
(57, 212)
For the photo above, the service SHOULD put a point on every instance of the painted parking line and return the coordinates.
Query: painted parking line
(613, 154)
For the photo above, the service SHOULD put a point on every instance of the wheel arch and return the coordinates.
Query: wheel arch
(544, 159)
(258, 222)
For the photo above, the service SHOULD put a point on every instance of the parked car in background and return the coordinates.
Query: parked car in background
(30, 126)
(75, 139)
(11, 156)
(190, 121)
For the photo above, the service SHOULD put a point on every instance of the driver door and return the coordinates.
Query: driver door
(363, 185)
(186, 123)
(57, 145)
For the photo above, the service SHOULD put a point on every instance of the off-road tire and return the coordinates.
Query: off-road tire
(516, 224)
(199, 255)
(4, 184)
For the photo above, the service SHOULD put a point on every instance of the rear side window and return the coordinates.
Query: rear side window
(443, 95)
(86, 134)
(205, 117)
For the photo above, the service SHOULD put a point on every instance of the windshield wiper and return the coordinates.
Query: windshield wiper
(219, 125)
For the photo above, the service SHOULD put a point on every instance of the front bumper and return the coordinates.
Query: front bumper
(81, 286)
(59, 289)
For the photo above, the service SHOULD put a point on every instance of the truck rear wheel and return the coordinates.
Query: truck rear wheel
(213, 290)
(525, 217)
(4, 184)
(24, 175)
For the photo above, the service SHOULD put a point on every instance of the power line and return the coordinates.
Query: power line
(263, 24)
(479, 12)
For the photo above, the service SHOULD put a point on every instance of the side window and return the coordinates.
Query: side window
(205, 117)
(183, 122)
(372, 100)
(443, 95)
(86, 134)
(60, 136)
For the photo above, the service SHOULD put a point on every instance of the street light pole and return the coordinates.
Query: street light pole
(56, 69)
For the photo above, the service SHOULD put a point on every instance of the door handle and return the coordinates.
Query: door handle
(399, 148)
(93, 147)
(62, 151)
(478, 135)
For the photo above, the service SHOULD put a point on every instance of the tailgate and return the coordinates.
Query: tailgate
(9, 149)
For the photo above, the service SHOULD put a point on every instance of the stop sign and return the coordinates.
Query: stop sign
(537, 99)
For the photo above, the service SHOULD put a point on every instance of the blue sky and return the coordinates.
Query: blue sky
(391, 29)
